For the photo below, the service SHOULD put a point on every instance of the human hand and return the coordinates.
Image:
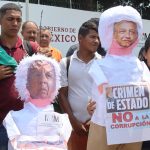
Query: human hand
(5, 72)
(79, 127)
(91, 107)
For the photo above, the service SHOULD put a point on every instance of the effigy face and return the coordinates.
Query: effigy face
(41, 80)
(125, 33)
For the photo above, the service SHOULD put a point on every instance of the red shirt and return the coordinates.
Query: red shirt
(9, 99)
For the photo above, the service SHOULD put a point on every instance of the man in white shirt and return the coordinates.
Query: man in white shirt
(76, 84)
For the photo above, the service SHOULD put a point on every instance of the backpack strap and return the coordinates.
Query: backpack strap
(67, 64)
(28, 47)
(56, 103)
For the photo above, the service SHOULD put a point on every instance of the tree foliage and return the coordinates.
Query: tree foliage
(143, 6)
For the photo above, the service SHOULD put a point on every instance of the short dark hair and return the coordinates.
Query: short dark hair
(43, 29)
(86, 27)
(95, 20)
(40, 30)
(9, 6)
(147, 44)
(26, 22)
(144, 49)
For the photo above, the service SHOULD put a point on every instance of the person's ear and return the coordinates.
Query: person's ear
(1, 20)
(79, 38)
(145, 55)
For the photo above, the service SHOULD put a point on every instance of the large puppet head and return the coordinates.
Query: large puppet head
(37, 79)
(119, 29)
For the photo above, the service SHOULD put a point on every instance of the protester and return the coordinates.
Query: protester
(144, 55)
(74, 47)
(37, 82)
(71, 49)
(44, 39)
(11, 50)
(29, 31)
(119, 32)
(76, 84)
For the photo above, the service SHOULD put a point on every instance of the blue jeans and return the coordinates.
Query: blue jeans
(3, 138)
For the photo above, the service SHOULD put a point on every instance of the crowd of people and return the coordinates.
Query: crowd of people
(33, 75)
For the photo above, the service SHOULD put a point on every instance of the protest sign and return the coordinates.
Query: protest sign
(128, 113)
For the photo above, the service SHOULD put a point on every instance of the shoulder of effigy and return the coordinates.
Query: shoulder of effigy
(17, 115)
(115, 62)
(107, 60)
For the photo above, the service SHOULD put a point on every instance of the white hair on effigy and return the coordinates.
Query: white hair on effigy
(114, 15)
(22, 73)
